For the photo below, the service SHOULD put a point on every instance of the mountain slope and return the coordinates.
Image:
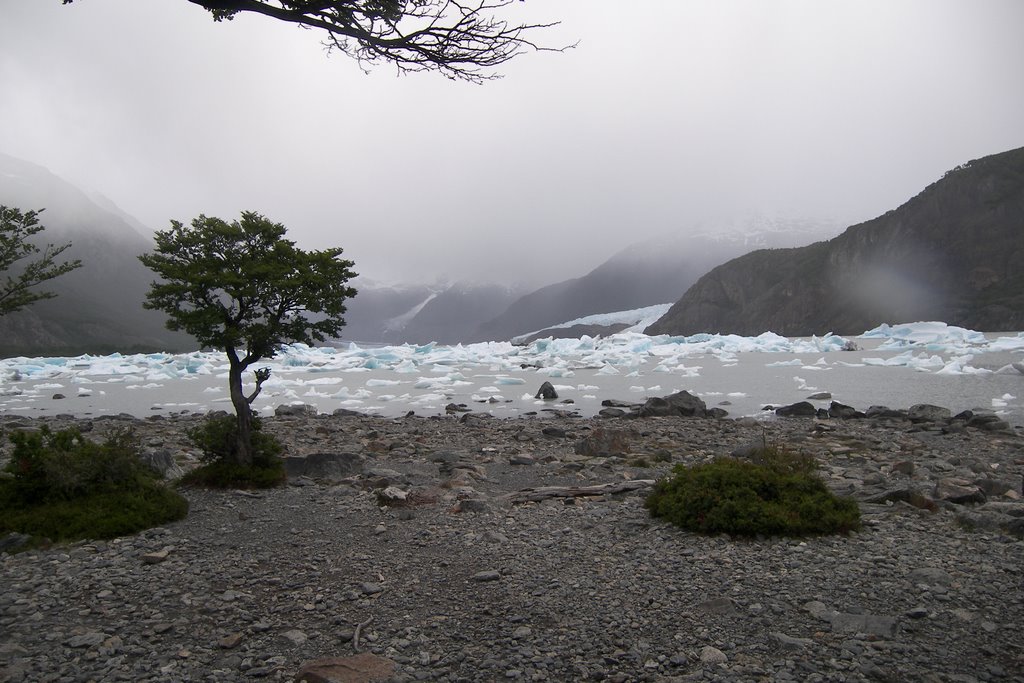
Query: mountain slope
(419, 314)
(955, 253)
(644, 274)
(98, 307)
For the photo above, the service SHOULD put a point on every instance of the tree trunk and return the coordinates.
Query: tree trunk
(243, 451)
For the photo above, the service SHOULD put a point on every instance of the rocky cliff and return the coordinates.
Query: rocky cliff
(955, 253)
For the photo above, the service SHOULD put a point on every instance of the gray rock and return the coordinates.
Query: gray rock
(324, 466)
(91, 639)
(931, 576)
(162, 460)
(925, 412)
(681, 403)
(13, 541)
(485, 576)
(295, 410)
(712, 655)
(864, 623)
(547, 392)
(789, 642)
(801, 409)
(295, 637)
(958, 492)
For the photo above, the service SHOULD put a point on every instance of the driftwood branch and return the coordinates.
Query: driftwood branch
(546, 492)
(359, 628)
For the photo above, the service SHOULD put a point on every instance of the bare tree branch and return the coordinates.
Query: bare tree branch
(462, 40)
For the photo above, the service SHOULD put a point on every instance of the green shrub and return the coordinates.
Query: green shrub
(217, 439)
(66, 487)
(779, 495)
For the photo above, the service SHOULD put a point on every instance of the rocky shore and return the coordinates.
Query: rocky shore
(410, 549)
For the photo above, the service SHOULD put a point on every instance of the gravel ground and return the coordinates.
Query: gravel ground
(459, 584)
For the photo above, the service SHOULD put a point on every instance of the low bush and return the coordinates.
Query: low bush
(776, 493)
(66, 487)
(217, 439)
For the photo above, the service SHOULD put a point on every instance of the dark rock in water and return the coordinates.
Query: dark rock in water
(615, 403)
(328, 466)
(611, 412)
(989, 421)
(925, 412)
(457, 408)
(345, 412)
(682, 403)
(547, 392)
(843, 412)
(820, 396)
(874, 412)
(716, 413)
(57, 397)
(801, 409)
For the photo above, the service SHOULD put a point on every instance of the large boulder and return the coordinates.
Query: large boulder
(925, 412)
(682, 403)
(801, 409)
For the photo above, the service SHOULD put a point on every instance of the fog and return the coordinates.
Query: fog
(666, 117)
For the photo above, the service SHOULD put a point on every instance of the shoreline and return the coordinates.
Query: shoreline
(457, 583)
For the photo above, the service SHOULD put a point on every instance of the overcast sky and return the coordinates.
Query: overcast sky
(668, 113)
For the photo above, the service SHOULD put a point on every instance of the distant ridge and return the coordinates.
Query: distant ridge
(646, 274)
(954, 253)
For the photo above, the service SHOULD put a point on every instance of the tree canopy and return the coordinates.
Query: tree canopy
(243, 288)
(19, 276)
(462, 40)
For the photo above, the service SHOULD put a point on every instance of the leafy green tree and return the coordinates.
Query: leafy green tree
(243, 288)
(16, 290)
(459, 39)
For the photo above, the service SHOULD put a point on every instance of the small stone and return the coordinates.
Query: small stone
(522, 632)
(917, 613)
(933, 576)
(230, 641)
(864, 623)
(789, 642)
(156, 557)
(712, 655)
(361, 668)
(371, 588)
(490, 575)
(295, 637)
(91, 639)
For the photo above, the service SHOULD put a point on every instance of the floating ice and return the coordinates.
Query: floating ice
(442, 371)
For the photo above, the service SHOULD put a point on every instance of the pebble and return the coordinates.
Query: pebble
(251, 587)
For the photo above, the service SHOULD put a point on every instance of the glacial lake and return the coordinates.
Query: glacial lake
(897, 367)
